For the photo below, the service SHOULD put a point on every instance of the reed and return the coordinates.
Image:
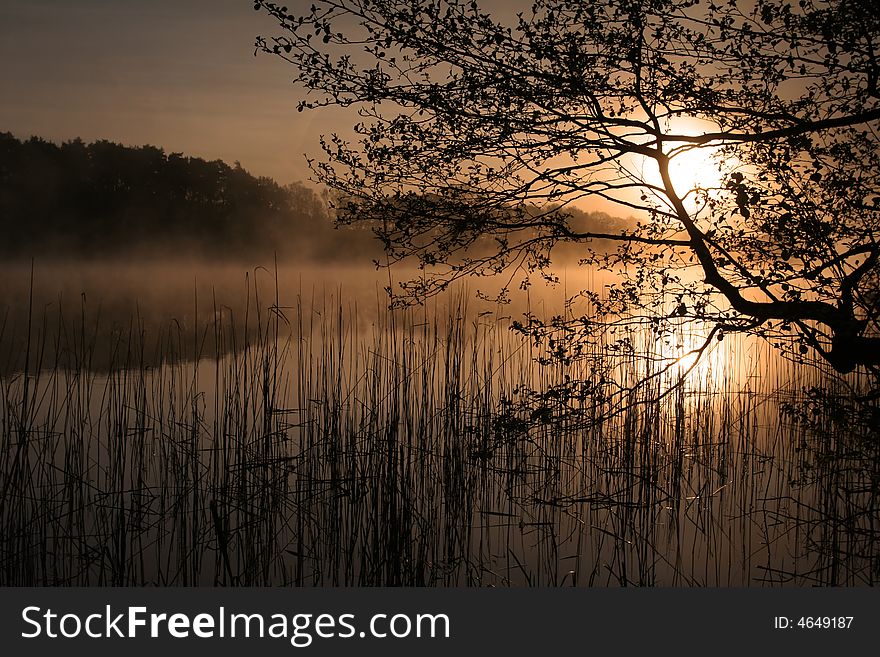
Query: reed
(291, 445)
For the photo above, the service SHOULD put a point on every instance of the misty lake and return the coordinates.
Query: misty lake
(176, 424)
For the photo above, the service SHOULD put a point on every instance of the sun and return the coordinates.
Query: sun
(695, 171)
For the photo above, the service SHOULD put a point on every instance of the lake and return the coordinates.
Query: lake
(168, 423)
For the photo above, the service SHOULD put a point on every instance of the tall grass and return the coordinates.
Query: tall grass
(289, 446)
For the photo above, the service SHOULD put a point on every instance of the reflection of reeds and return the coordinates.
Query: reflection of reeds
(435, 450)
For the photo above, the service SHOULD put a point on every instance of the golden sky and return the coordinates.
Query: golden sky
(179, 74)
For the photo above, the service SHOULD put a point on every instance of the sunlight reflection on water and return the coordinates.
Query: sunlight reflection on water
(324, 441)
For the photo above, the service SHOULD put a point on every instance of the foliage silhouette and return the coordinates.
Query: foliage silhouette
(104, 199)
(469, 121)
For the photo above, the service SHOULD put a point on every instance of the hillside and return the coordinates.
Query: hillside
(105, 199)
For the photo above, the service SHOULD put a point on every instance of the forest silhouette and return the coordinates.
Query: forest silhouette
(104, 199)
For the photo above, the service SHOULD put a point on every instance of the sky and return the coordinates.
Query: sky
(179, 74)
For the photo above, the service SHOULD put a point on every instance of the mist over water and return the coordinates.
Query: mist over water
(188, 422)
(107, 304)
(154, 301)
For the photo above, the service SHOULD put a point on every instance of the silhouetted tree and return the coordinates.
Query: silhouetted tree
(469, 122)
(104, 199)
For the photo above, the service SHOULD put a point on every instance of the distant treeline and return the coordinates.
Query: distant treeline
(104, 199)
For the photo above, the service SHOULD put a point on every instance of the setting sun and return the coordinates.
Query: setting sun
(694, 169)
